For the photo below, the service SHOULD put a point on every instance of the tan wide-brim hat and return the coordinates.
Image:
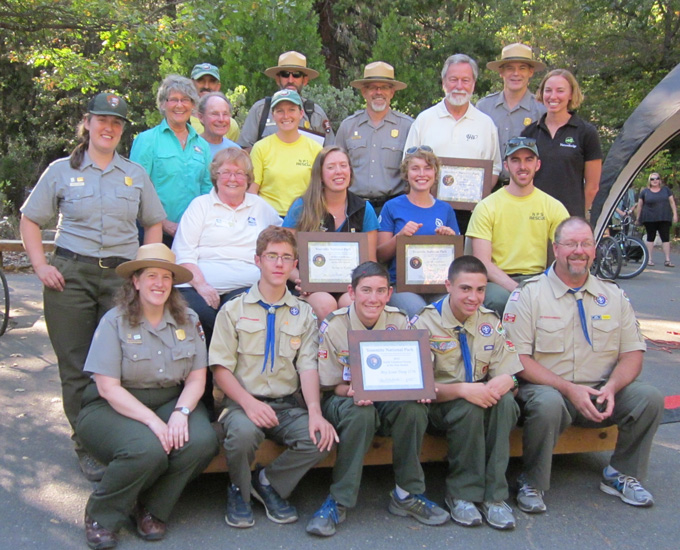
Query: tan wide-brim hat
(155, 255)
(516, 52)
(291, 61)
(378, 71)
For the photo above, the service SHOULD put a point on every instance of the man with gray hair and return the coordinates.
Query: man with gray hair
(454, 127)
(214, 112)
(206, 78)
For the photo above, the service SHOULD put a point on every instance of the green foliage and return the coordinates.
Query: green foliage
(338, 104)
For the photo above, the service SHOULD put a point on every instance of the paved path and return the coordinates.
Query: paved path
(44, 494)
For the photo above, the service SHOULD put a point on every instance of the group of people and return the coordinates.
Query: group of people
(215, 283)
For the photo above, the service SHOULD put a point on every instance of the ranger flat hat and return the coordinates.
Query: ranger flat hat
(291, 61)
(378, 71)
(155, 255)
(516, 52)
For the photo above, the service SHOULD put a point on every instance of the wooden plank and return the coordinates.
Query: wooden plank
(15, 245)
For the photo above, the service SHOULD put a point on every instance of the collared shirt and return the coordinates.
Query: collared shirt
(511, 122)
(334, 344)
(220, 239)
(505, 219)
(563, 160)
(473, 136)
(491, 350)
(179, 175)
(239, 340)
(217, 147)
(145, 356)
(543, 321)
(319, 123)
(375, 152)
(97, 208)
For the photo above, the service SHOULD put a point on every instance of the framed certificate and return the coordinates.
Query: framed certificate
(423, 262)
(327, 259)
(463, 182)
(391, 365)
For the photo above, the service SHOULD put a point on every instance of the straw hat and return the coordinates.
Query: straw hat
(155, 255)
(516, 52)
(291, 61)
(378, 71)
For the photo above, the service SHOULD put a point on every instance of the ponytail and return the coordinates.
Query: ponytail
(78, 153)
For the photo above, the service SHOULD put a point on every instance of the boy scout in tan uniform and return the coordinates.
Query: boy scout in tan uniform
(474, 367)
(581, 349)
(262, 353)
(404, 421)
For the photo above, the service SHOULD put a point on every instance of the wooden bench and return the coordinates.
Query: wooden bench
(12, 245)
(573, 440)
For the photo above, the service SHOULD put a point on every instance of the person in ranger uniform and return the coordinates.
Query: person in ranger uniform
(290, 74)
(374, 137)
(581, 348)
(515, 107)
(474, 372)
(263, 351)
(356, 424)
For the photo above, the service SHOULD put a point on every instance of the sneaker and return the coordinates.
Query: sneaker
(418, 507)
(627, 488)
(498, 514)
(91, 467)
(529, 499)
(464, 512)
(325, 519)
(278, 509)
(239, 512)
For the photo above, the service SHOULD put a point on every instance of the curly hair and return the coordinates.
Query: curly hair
(175, 83)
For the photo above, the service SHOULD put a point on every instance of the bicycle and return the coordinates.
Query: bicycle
(634, 253)
(608, 259)
(4, 302)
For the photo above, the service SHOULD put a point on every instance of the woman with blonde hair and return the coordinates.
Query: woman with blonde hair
(656, 210)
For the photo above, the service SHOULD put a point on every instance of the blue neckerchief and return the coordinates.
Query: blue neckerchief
(439, 304)
(270, 340)
(467, 358)
(581, 312)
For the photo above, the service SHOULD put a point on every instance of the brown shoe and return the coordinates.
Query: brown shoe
(98, 537)
(149, 526)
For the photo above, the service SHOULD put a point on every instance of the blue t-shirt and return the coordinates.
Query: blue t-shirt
(399, 211)
(295, 211)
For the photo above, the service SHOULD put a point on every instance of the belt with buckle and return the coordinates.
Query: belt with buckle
(104, 263)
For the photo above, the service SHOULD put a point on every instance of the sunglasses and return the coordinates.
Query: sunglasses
(425, 148)
(655, 178)
(288, 74)
(525, 141)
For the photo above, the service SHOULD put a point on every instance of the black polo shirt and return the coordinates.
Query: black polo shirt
(563, 160)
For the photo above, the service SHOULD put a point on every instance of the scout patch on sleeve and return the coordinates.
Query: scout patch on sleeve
(509, 318)
(199, 329)
(442, 344)
(322, 354)
(509, 346)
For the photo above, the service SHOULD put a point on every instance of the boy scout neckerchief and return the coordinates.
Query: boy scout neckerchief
(462, 339)
(581, 311)
(270, 340)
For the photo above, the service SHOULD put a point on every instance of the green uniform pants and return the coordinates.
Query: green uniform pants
(479, 446)
(404, 421)
(72, 316)
(138, 467)
(244, 437)
(638, 409)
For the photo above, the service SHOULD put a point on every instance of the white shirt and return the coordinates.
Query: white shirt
(473, 136)
(220, 239)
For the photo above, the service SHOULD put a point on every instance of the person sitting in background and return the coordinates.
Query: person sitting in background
(176, 158)
(214, 112)
(328, 205)
(416, 213)
(283, 161)
(141, 414)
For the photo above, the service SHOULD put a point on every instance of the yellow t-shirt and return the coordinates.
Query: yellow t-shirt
(519, 229)
(282, 170)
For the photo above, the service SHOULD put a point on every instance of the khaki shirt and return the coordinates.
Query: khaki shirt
(491, 351)
(375, 152)
(543, 321)
(334, 345)
(239, 339)
(144, 357)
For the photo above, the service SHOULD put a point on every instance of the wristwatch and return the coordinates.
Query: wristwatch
(514, 381)
(184, 410)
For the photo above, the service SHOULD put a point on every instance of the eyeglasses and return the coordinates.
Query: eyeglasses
(654, 178)
(228, 175)
(273, 257)
(412, 150)
(175, 100)
(294, 74)
(379, 88)
(573, 245)
(525, 141)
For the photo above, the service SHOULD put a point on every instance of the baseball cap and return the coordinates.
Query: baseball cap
(204, 68)
(286, 95)
(517, 143)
